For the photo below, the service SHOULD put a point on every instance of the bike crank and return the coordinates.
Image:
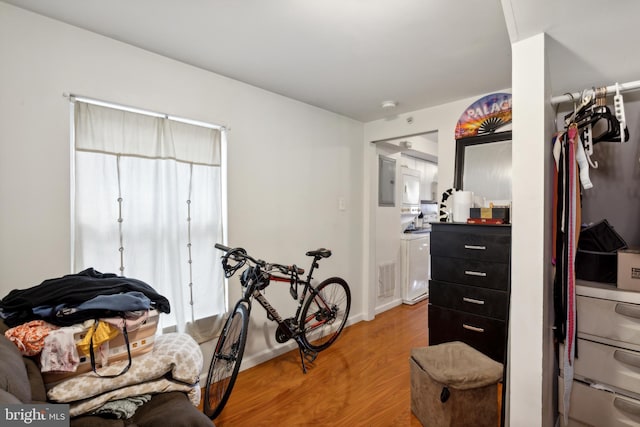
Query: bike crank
(285, 330)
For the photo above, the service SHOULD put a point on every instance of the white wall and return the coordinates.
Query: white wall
(440, 121)
(289, 163)
(389, 223)
(388, 230)
(531, 401)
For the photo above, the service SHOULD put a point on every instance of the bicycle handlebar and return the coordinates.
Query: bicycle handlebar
(240, 254)
(222, 247)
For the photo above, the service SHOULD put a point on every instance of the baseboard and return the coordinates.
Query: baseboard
(388, 306)
(269, 353)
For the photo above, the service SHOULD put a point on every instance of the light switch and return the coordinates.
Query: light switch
(342, 204)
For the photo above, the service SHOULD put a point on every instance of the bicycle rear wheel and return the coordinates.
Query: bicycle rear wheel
(325, 313)
(225, 362)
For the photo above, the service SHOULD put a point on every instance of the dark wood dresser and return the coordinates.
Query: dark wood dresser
(470, 286)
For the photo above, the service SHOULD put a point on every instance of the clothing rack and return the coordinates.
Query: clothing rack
(622, 87)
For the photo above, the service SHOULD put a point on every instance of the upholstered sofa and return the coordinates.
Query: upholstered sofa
(21, 382)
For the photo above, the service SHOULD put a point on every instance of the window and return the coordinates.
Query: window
(148, 204)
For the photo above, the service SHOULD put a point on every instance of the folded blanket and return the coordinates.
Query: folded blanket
(122, 408)
(162, 385)
(174, 363)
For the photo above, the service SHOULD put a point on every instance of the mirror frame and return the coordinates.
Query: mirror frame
(463, 143)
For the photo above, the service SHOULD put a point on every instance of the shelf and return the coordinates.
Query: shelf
(606, 291)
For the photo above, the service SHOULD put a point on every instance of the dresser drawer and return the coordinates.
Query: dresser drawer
(605, 364)
(482, 333)
(484, 274)
(473, 242)
(619, 321)
(592, 407)
(470, 299)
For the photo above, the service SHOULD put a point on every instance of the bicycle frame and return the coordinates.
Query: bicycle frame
(252, 291)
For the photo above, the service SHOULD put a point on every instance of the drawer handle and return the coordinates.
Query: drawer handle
(473, 301)
(627, 358)
(475, 273)
(628, 310)
(472, 328)
(476, 247)
(626, 406)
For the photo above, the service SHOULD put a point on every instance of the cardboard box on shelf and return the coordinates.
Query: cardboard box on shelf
(485, 221)
(629, 269)
(496, 212)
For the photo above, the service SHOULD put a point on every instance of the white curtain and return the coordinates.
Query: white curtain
(148, 205)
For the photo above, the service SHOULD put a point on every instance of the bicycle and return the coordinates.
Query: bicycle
(319, 319)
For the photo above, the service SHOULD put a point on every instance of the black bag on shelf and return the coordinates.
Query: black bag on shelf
(597, 257)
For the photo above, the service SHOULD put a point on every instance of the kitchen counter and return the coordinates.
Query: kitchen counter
(415, 234)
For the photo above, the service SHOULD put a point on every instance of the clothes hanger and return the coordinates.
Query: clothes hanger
(586, 102)
(587, 143)
(618, 104)
(604, 125)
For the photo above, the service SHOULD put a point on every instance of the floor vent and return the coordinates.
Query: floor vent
(386, 279)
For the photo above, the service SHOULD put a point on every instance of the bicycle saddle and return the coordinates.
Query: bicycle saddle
(322, 252)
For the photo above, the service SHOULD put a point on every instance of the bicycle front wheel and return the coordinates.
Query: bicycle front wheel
(325, 313)
(225, 362)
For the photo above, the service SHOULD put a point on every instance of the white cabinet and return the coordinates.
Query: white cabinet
(596, 407)
(428, 171)
(416, 267)
(606, 390)
(410, 192)
(410, 187)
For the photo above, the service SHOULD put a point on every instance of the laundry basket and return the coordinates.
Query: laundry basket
(452, 384)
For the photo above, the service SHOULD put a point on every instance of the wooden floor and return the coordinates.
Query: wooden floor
(362, 380)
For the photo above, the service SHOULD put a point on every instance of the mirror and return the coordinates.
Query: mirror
(483, 165)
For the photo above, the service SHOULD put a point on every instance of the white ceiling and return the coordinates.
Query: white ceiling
(348, 56)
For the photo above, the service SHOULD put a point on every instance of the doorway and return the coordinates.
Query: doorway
(419, 153)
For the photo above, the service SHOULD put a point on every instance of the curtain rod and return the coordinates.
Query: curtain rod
(623, 87)
(72, 97)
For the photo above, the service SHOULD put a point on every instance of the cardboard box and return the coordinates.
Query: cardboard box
(480, 213)
(485, 221)
(496, 212)
(629, 269)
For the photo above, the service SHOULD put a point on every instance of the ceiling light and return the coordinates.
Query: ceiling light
(389, 104)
